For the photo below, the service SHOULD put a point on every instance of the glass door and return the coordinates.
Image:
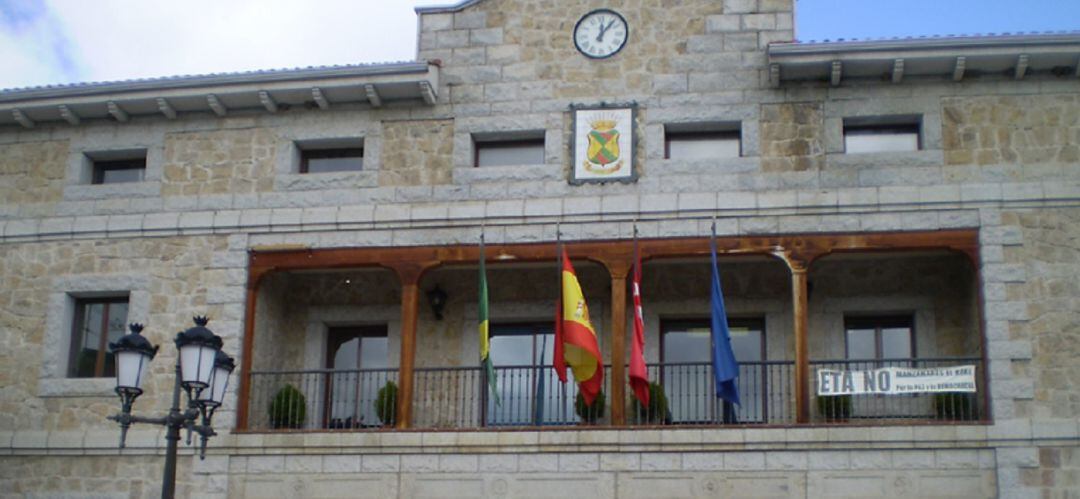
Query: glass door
(352, 354)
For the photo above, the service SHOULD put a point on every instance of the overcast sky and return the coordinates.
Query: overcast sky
(64, 41)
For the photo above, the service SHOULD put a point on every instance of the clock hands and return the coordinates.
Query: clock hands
(604, 29)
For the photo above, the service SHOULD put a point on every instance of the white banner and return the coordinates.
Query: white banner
(896, 380)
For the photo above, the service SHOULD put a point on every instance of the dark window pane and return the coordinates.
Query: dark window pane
(510, 153)
(861, 344)
(688, 344)
(746, 343)
(119, 171)
(332, 160)
(703, 145)
(97, 322)
(896, 343)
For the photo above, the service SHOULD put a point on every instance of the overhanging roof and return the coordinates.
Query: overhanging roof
(1013, 55)
(271, 91)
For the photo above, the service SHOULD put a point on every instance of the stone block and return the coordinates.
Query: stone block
(452, 39)
(196, 220)
(498, 463)
(122, 223)
(980, 192)
(505, 208)
(1005, 235)
(736, 200)
(829, 460)
(303, 464)
(470, 19)
(758, 22)
(670, 83)
(577, 463)
(740, 6)
(705, 44)
(1018, 457)
(374, 463)
(340, 464)
(1009, 349)
(266, 464)
(1007, 310)
(785, 460)
(489, 36)
(543, 207)
(436, 22)
(627, 461)
(1009, 429)
(744, 460)
(777, 199)
(661, 461)
(740, 42)
(419, 463)
(722, 23)
(697, 201)
(703, 461)
(538, 463)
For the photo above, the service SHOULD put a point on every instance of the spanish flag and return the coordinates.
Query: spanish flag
(575, 338)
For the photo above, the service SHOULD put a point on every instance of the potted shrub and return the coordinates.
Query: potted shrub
(657, 410)
(590, 413)
(955, 406)
(834, 407)
(386, 403)
(288, 408)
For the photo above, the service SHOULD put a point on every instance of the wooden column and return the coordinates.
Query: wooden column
(409, 274)
(244, 397)
(618, 269)
(802, 355)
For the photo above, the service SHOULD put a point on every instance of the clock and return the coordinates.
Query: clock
(601, 34)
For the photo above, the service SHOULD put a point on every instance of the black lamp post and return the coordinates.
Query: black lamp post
(202, 369)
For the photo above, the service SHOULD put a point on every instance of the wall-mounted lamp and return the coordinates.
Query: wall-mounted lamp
(437, 299)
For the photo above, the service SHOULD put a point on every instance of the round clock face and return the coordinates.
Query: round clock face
(601, 33)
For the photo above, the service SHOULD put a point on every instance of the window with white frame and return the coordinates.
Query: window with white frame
(882, 134)
(522, 148)
(702, 140)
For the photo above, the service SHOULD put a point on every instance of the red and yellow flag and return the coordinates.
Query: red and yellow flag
(575, 341)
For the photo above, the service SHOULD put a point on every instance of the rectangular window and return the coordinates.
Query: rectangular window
(115, 171)
(509, 152)
(888, 134)
(687, 377)
(875, 338)
(349, 159)
(683, 143)
(529, 390)
(358, 358)
(97, 322)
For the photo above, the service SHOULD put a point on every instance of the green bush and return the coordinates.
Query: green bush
(656, 412)
(288, 409)
(386, 403)
(590, 413)
(834, 407)
(952, 406)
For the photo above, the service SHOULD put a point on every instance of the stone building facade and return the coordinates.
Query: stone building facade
(973, 235)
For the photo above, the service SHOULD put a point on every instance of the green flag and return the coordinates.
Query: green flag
(485, 344)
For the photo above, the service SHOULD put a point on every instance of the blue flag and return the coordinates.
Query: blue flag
(725, 367)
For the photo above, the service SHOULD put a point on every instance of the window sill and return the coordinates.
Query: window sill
(86, 192)
(329, 180)
(740, 164)
(76, 387)
(502, 173)
(931, 157)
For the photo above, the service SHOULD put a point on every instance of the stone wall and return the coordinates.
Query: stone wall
(417, 152)
(32, 173)
(173, 273)
(1013, 129)
(219, 162)
(792, 137)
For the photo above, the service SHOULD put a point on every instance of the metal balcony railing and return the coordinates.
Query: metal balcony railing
(460, 398)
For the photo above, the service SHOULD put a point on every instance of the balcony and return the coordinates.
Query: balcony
(341, 340)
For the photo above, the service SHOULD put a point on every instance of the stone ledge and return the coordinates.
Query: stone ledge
(112, 191)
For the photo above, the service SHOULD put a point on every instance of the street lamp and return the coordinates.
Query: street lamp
(202, 370)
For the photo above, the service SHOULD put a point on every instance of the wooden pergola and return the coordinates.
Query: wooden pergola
(411, 263)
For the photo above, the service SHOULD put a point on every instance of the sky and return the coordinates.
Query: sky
(64, 41)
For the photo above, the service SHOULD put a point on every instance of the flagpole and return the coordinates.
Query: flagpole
(558, 308)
